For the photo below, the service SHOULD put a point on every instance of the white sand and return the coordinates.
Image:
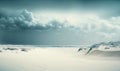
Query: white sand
(53, 59)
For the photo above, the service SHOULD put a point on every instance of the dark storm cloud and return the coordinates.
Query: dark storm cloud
(24, 20)
(11, 22)
(92, 25)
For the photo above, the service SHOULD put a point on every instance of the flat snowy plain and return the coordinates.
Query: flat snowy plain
(30, 58)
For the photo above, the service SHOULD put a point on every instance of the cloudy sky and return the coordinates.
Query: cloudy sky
(59, 22)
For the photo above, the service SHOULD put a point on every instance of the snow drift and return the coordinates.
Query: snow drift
(110, 49)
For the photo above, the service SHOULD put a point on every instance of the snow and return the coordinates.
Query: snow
(52, 59)
(108, 48)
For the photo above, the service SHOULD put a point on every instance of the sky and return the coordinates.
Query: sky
(59, 22)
